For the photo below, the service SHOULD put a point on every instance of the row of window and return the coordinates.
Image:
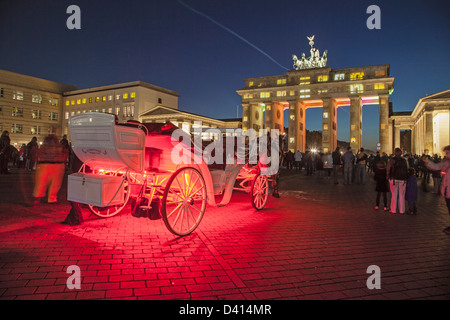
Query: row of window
(323, 78)
(18, 128)
(124, 96)
(35, 98)
(126, 111)
(18, 112)
(305, 93)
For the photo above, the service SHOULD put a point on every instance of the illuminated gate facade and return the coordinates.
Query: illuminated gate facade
(310, 85)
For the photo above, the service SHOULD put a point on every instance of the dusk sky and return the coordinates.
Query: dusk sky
(164, 43)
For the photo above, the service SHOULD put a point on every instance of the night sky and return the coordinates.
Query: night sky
(164, 43)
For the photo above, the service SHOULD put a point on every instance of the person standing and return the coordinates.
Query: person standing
(443, 166)
(361, 161)
(348, 158)
(381, 181)
(336, 157)
(298, 159)
(50, 169)
(32, 151)
(436, 175)
(5, 151)
(411, 191)
(397, 174)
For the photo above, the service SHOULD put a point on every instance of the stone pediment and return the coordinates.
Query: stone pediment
(438, 96)
(159, 111)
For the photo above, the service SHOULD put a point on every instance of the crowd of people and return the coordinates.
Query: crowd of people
(399, 175)
(48, 160)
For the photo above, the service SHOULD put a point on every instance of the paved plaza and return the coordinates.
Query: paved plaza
(315, 242)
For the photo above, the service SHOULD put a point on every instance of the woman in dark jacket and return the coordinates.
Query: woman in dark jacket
(382, 187)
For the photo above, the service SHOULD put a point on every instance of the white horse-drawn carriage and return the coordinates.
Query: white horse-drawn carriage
(123, 161)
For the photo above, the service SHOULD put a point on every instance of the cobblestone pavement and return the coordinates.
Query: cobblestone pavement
(315, 242)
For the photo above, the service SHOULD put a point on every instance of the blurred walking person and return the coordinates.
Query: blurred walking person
(348, 158)
(381, 182)
(52, 157)
(397, 173)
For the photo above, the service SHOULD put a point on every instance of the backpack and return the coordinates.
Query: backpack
(399, 171)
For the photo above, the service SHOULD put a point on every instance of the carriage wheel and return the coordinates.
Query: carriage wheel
(260, 191)
(111, 211)
(184, 201)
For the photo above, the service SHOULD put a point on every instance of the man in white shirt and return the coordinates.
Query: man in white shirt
(298, 159)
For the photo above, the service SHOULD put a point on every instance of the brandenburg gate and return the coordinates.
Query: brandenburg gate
(312, 84)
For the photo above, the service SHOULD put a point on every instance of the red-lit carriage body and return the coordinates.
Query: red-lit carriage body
(123, 161)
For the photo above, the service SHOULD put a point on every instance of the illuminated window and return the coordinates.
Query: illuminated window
(125, 96)
(304, 78)
(380, 73)
(325, 126)
(18, 95)
(325, 115)
(103, 110)
(322, 91)
(17, 112)
(36, 98)
(78, 112)
(245, 119)
(66, 115)
(250, 84)
(305, 90)
(36, 114)
(78, 101)
(356, 88)
(356, 75)
(292, 117)
(35, 130)
(281, 81)
(353, 139)
(379, 86)
(110, 98)
(104, 98)
(133, 95)
(117, 96)
(281, 93)
(339, 76)
(305, 96)
(292, 93)
(90, 100)
(291, 140)
(73, 113)
(67, 103)
(248, 96)
(322, 78)
(97, 99)
(382, 126)
(54, 101)
(264, 95)
(83, 101)
(53, 116)
(109, 110)
(72, 102)
(16, 128)
(117, 110)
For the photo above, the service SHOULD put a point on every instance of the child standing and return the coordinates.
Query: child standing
(411, 191)
(381, 183)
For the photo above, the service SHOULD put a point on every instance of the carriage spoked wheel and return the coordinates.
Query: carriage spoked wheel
(184, 201)
(111, 211)
(260, 191)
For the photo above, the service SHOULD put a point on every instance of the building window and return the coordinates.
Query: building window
(67, 116)
(133, 95)
(90, 100)
(248, 96)
(110, 98)
(97, 99)
(78, 101)
(67, 103)
(322, 78)
(36, 98)
(83, 101)
(292, 117)
(117, 111)
(281, 93)
(54, 101)
(322, 91)
(264, 95)
(357, 76)
(339, 76)
(379, 86)
(1, 92)
(17, 112)
(281, 81)
(53, 116)
(251, 84)
(356, 88)
(305, 80)
(35, 130)
(18, 95)
(109, 110)
(16, 128)
(245, 119)
(125, 96)
(325, 126)
(72, 102)
(104, 98)
(36, 114)
(159, 100)
(380, 73)
(117, 96)
(325, 115)
(73, 113)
